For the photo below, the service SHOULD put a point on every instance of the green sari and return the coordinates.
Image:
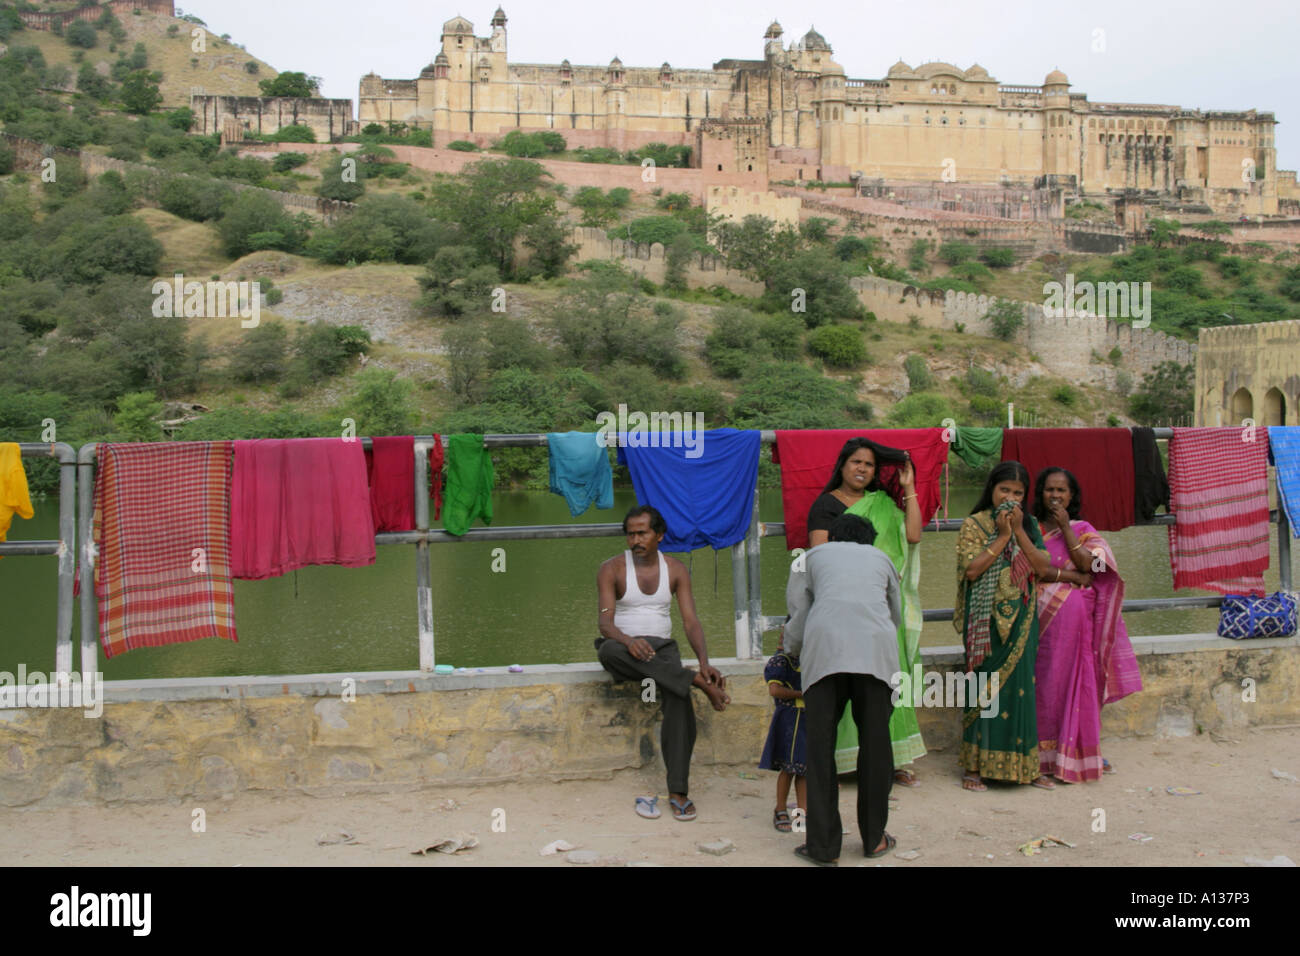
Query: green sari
(1003, 746)
(891, 538)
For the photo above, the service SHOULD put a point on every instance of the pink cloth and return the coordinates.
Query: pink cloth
(296, 502)
(390, 466)
(1084, 659)
(1218, 489)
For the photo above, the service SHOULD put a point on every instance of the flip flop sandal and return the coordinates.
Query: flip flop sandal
(1043, 784)
(906, 778)
(979, 784)
(683, 811)
(781, 821)
(803, 854)
(1106, 766)
(646, 807)
(890, 843)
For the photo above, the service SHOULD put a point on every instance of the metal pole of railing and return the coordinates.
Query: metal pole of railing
(86, 543)
(423, 572)
(67, 553)
(753, 552)
(740, 599)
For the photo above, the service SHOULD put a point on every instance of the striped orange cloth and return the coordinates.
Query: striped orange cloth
(163, 535)
(1218, 491)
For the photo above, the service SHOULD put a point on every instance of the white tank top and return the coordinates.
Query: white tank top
(637, 613)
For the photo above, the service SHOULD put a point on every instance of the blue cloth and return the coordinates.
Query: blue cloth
(706, 500)
(580, 470)
(1284, 449)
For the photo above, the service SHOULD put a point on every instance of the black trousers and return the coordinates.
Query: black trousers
(824, 704)
(672, 687)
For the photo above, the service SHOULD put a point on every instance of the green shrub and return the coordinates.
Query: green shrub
(261, 354)
(1065, 395)
(1000, 258)
(954, 253)
(919, 378)
(840, 346)
(462, 146)
(650, 229)
(922, 410)
(287, 161)
(1006, 318)
(195, 199)
(981, 381)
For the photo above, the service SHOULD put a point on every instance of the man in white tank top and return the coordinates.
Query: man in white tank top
(635, 591)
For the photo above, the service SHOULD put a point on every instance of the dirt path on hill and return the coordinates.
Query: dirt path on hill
(1243, 811)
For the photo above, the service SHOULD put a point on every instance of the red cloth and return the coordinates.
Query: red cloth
(807, 459)
(296, 502)
(437, 458)
(390, 468)
(1101, 458)
(162, 528)
(1218, 488)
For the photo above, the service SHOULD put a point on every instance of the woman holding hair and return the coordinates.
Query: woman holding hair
(1000, 557)
(854, 488)
(1085, 659)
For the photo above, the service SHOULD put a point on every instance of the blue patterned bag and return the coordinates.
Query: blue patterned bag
(1242, 616)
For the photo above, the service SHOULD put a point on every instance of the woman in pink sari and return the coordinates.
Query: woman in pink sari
(1085, 659)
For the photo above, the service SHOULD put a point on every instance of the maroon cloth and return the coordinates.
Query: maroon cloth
(296, 502)
(807, 459)
(1101, 458)
(390, 468)
(437, 458)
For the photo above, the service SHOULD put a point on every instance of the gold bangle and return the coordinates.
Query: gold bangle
(1058, 574)
(990, 553)
(908, 497)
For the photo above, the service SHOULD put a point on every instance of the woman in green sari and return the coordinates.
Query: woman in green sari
(855, 488)
(1000, 557)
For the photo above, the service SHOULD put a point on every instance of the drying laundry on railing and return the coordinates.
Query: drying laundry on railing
(1219, 492)
(707, 500)
(977, 446)
(1101, 458)
(1284, 450)
(390, 470)
(470, 475)
(580, 471)
(437, 458)
(14, 497)
(297, 502)
(807, 459)
(1150, 486)
(162, 528)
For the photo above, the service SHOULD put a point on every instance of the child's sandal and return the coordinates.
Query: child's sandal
(781, 820)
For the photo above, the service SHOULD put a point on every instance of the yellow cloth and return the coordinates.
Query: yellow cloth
(14, 499)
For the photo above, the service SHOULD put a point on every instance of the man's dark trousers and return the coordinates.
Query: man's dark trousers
(872, 705)
(672, 687)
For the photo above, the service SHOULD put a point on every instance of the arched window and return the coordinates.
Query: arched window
(1274, 408)
(1243, 406)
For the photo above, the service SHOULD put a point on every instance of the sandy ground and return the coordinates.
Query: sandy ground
(1242, 811)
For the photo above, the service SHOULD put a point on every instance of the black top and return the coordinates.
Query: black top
(823, 511)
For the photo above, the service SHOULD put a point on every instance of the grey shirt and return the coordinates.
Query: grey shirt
(845, 609)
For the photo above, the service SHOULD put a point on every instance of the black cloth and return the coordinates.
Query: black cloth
(672, 687)
(825, 509)
(1150, 485)
(824, 703)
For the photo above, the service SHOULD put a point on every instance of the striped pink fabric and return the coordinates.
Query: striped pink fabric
(1218, 489)
(162, 528)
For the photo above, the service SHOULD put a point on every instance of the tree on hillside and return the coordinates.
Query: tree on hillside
(81, 34)
(291, 83)
(1162, 230)
(812, 284)
(140, 93)
(1165, 396)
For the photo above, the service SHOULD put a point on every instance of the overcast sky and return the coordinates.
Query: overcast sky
(1194, 54)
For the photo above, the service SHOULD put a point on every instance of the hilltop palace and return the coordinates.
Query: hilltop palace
(797, 102)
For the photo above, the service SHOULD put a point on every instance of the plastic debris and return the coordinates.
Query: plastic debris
(336, 837)
(1283, 775)
(516, 668)
(583, 856)
(448, 804)
(556, 846)
(449, 845)
(1182, 791)
(717, 848)
(746, 775)
(908, 854)
(443, 669)
(1141, 837)
(1041, 843)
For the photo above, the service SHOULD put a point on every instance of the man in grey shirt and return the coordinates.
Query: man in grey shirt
(845, 611)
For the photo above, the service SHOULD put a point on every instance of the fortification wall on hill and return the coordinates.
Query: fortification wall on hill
(45, 21)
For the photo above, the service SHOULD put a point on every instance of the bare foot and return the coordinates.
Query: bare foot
(906, 778)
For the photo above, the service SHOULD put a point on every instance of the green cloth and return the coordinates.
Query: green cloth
(891, 538)
(468, 494)
(1003, 746)
(976, 446)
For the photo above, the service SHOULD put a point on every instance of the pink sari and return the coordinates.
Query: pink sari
(1084, 660)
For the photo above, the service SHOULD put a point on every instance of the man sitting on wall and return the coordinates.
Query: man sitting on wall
(635, 591)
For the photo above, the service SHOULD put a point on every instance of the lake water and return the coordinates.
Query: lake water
(541, 609)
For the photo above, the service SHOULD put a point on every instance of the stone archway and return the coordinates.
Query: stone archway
(1243, 406)
(1274, 407)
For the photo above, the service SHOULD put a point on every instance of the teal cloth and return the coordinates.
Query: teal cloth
(469, 484)
(976, 446)
(580, 470)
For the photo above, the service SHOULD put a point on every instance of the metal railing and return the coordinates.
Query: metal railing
(65, 546)
(749, 621)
